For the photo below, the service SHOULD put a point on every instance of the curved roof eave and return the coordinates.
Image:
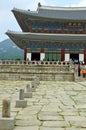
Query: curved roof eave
(43, 36)
(71, 13)
(27, 12)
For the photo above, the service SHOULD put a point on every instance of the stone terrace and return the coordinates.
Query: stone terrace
(46, 70)
(54, 105)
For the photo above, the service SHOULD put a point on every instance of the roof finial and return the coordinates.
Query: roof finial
(39, 4)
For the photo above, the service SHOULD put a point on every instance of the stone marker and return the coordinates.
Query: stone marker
(21, 102)
(28, 88)
(36, 80)
(33, 86)
(28, 93)
(21, 94)
(6, 108)
(6, 121)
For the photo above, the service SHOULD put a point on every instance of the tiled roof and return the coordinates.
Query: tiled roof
(47, 36)
(72, 13)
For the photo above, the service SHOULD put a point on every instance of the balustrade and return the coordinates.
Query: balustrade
(22, 62)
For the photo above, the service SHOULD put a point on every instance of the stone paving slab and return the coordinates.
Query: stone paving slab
(56, 124)
(27, 128)
(53, 128)
(28, 122)
(74, 128)
(49, 116)
(54, 105)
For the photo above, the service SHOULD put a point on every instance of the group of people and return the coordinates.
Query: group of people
(79, 66)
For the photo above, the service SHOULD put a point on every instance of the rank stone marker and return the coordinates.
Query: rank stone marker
(28, 88)
(6, 108)
(28, 93)
(6, 121)
(21, 102)
(21, 94)
(33, 86)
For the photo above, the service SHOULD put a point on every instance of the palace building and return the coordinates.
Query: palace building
(51, 33)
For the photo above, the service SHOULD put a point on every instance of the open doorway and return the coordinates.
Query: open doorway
(35, 56)
(74, 57)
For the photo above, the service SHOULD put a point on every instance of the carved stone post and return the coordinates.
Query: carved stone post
(6, 121)
(21, 102)
(6, 108)
(21, 94)
(28, 93)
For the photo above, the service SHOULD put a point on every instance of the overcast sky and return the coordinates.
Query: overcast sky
(8, 21)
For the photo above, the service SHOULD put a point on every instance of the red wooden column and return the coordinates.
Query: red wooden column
(41, 50)
(85, 56)
(62, 54)
(30, 29)
(25, 53)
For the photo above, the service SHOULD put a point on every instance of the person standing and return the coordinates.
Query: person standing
(79, 69)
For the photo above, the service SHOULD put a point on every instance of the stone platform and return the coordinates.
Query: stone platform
(54, 106)
(25, 71)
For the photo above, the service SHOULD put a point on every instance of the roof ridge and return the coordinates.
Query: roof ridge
(61, 8)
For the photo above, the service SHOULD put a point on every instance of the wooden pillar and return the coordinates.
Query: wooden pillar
(42, 50)
(25, 53)
(62, 55)
(30, 30)
(85, 56)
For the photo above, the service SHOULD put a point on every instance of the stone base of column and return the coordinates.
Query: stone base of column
(6, 123)
(21, 103)
(28, 95)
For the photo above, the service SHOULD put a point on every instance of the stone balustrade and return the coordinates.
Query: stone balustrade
(22, 62)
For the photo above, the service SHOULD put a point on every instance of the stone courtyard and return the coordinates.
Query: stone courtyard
(54, 105)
